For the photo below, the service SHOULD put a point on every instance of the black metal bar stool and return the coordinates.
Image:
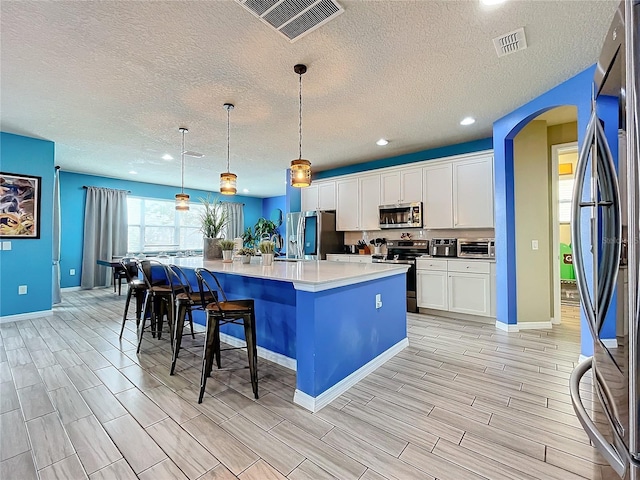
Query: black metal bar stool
(160, 298)
(137, 288)
(240, 312)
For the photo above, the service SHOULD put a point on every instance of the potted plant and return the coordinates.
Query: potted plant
(267, 248)
(264, 229)
(214, 218)
(227, 250)
(245, 254)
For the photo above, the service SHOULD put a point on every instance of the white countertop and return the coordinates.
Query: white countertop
(310, 276)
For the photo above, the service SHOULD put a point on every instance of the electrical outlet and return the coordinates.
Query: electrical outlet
(22, 290)
(6, 245)
(72, 271)
(378, 301)
(534, 244)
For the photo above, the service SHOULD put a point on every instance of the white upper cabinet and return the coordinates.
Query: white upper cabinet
(327, 195)
(369, 201)
(473, 193)
(438, 196)
(347, 204)
(319, 196)
(401, 186)
(309, 198)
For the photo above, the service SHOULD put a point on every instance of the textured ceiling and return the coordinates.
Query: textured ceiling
(111, 82)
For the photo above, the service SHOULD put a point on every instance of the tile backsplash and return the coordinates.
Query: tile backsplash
(351, 238)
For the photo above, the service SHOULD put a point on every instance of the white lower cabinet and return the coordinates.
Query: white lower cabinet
(460, 286)
(469, 293)
(345, 257)
(432, 289)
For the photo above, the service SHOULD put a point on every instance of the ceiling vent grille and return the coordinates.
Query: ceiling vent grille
(293, 18)
(510, 42)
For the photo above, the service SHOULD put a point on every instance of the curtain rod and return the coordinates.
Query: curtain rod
(128, 191)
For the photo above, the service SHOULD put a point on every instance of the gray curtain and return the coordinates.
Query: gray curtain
(55, 285)
(235, 213)
(105, 234)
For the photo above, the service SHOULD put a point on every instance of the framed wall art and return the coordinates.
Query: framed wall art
(19, 206)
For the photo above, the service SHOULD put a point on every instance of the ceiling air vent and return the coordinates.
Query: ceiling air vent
(510, 43)
(293, 18)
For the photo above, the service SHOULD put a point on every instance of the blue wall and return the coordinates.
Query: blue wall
(72, 198)
(271, 203)
(440, 152)
(575, 91)
(29, 260)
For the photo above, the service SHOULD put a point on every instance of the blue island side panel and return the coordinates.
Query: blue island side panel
(340, 330)
(275, 305)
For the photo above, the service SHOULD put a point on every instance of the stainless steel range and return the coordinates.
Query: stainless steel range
(406, 251)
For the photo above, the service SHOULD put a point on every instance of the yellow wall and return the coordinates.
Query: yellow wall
(533, 222)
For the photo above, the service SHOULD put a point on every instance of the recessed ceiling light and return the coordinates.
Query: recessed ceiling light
(133, 172)
(166, 156)
(245, 190)
(382, 142)
(467, 121)
(492, 2)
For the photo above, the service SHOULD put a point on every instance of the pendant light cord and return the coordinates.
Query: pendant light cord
(228, 136)
(300, 120)
(182, 162)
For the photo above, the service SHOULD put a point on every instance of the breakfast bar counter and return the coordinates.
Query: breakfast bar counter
(332, 322)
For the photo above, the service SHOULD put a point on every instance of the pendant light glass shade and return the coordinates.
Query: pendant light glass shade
(228, 180)
(300, 168)
(182, 199)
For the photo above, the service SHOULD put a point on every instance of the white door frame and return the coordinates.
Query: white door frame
(556, 150)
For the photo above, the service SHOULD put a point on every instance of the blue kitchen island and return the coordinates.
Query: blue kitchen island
(319, 318)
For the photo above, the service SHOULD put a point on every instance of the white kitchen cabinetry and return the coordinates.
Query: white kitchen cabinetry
(401, 186)
(473, 193)
(438, 196)
(431, 284)
(369, 201)
(347, 214)
(319, 196)
(460, 286)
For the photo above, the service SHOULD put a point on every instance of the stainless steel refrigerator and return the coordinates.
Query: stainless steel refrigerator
(311, 235)
(606, 247)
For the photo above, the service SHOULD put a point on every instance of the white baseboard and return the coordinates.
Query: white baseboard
(534, 325)
(71, 289)
(274, 357)
(582, 358)
(507, 327)
(316, 403)
(26, 316)
(610, 342)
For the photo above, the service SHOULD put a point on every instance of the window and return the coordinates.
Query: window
(565, 194)
(155, 225)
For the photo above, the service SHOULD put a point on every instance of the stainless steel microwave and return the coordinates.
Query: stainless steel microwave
(401, 215)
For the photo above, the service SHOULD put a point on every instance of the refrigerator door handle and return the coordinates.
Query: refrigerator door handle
(604, 447)
(301, 237)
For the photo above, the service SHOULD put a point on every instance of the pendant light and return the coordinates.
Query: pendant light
(182, 199)
(300, 168)
(228, 180)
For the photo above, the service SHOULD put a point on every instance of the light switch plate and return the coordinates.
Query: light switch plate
(22, 290)
(534, 244)
(6, 245)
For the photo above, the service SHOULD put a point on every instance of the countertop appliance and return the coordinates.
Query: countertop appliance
(477, 248)
(444, 247)
(405, 251)
(401, 215)
(312, 234)
(605, 213)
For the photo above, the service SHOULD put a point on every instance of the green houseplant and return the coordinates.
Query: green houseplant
(267, 247)
(245, 254)
(227, 250)
(214, 218)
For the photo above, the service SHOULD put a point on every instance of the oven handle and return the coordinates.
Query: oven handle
(604, 447)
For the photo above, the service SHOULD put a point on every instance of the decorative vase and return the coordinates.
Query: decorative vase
(212, 249)
(267, 259)
(227, 256)
(246, 258)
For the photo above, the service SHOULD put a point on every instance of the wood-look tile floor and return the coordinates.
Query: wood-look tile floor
(463, 401)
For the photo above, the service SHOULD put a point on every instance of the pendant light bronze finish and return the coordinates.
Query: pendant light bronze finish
(182, 199)
(228, 180)
(300, 168)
